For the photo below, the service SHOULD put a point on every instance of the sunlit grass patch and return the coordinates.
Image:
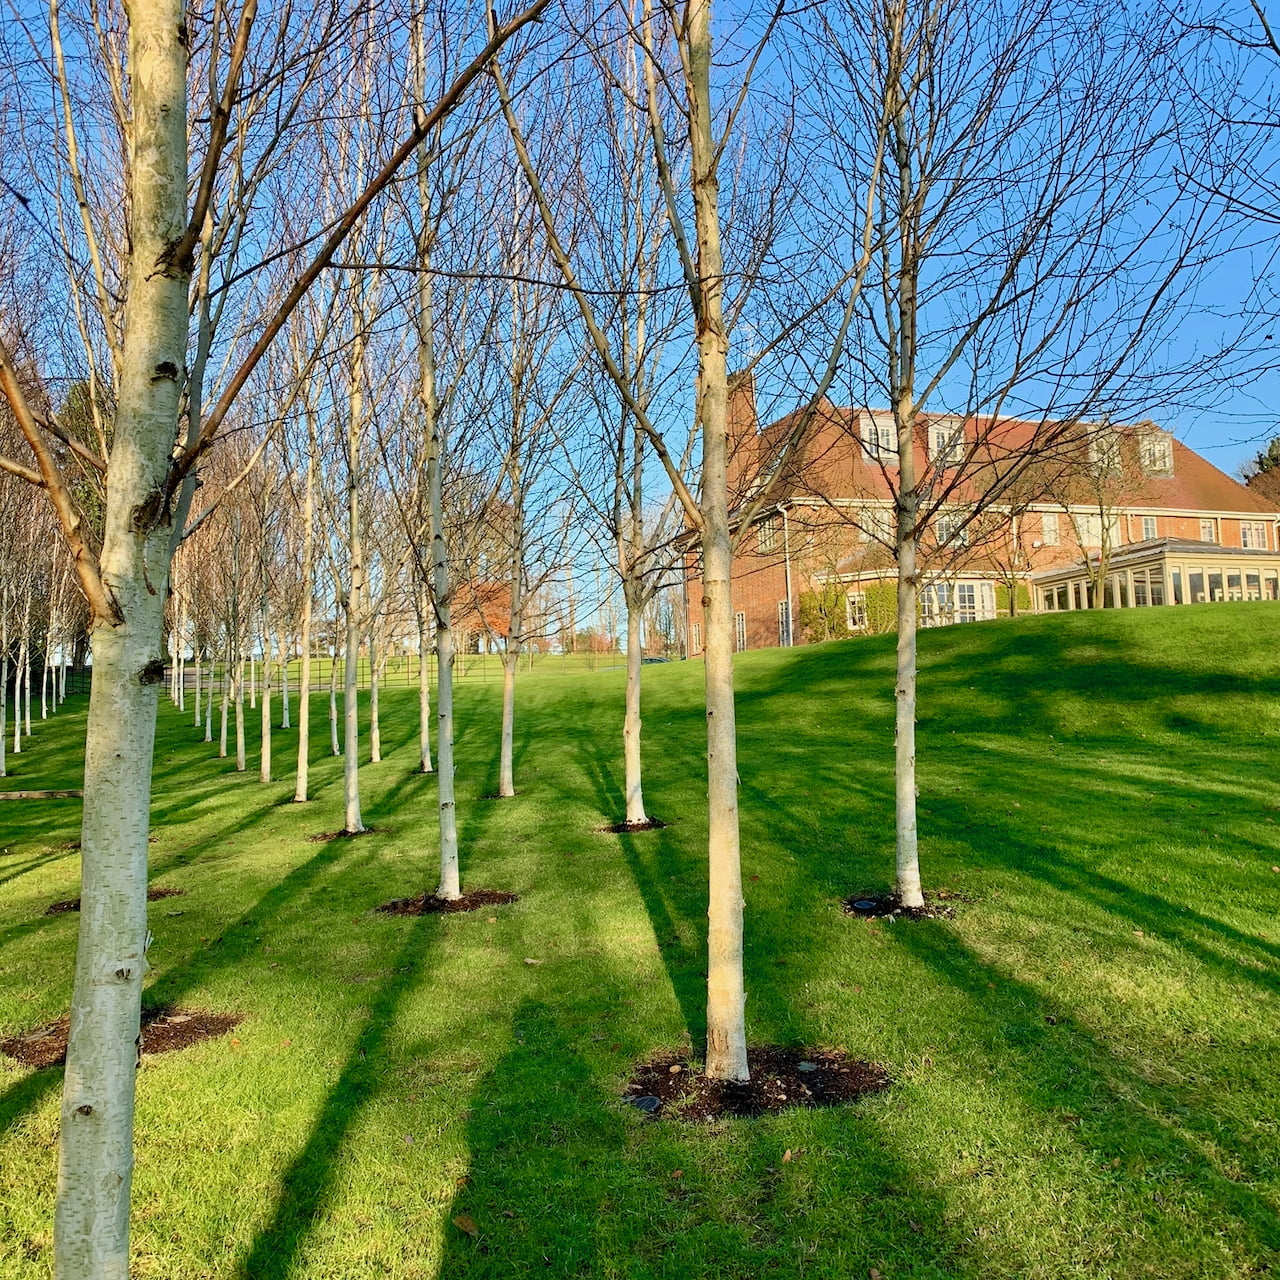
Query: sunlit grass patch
(1085, 1059)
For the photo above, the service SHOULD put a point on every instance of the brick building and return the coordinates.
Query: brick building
(817, 559)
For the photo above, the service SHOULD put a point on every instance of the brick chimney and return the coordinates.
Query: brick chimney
(742, 428)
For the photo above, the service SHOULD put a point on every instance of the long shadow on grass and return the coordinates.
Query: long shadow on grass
(229, 948)
(25, 1094)
(540, 1143)
(568, 1180)
(1039, 675)
(21, 869)
(1086, 1090)
(674, 901)
(308, 1182)
(1008, 845)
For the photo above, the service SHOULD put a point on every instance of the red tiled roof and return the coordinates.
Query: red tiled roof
(832, 464)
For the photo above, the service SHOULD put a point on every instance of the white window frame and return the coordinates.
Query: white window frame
(1104, 451)
(951, 529)
(739, 631)
(1089, 529)
(767, 534)
(1253, 534)
(1050, 531)
(855, 610)
(1208, 531)
(876, 523)
(1149, 528)
(937, 604)
(1155, 452)
(784, 624)
(695, 637)
(946, 444)
(880, 436)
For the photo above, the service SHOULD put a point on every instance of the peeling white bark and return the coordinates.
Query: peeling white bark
(424, 688)
(91, 1225)
(726, 993)
(302, 780)
(375, 725)
(264, 774)
(631, 720)
(908, 848)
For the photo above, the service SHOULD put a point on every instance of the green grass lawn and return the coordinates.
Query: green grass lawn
(1086, 1059)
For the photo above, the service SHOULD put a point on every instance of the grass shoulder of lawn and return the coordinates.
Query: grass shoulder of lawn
(1085, 1059)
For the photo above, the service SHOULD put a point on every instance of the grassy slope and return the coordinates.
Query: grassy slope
(1087, 1058)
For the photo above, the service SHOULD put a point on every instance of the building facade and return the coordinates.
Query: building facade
(1019, 516)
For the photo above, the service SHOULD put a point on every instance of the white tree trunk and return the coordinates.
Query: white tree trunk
(424, 692)
(352, 822)
(180, 663)
(226, 701)
(908, 849)
(17, 700)
(91, 1226)
(726, 993)
(631, 720)
(441, 591)
(242, 761)
(26, 686)
(450, 880)
(265, 770)
(208, 703)
(26, 668)
(375, 726)
(335, 748)
(97, 1110)
(284, 684)
(302, 780)
(506, 770)
(195, 662)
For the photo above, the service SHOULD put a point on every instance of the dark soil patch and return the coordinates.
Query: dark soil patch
(626, 828)
(429, 905)
(889, 906)
(496, 795)
(164, 1030)
(41, 795)
(324, 837)
(780, 1078)
(73, 904)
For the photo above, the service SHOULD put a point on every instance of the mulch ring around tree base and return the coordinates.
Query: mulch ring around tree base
(889, 906)
(627, 828)
(164, 1030)
(323, 837)
(428, 904)
(73, 904)
(780, 1078)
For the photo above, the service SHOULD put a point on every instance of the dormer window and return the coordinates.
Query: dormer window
(1104, 451)
(880, 436)
(946, 443)
(1155, 450)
